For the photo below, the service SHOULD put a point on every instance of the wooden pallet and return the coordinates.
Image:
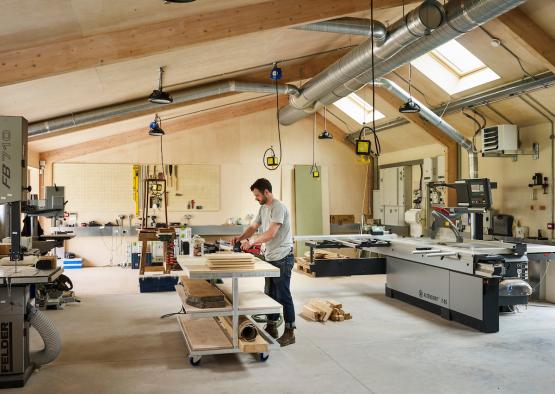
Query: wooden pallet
(306, 269)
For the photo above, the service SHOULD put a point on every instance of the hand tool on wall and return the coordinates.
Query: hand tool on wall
(170, 172)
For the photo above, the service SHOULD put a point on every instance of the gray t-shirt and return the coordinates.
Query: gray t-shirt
(279, 246)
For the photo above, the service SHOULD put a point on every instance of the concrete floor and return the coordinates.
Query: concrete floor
(115, 342)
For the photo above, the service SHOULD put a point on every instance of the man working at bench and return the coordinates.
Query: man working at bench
(273, 218)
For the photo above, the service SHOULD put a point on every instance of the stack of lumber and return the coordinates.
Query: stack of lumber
(230, 261)
(324, 254)
(200, 294)
(323, 310)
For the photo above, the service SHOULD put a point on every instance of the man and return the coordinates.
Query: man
(273, 218)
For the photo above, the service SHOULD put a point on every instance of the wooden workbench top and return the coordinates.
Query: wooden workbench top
(197, 268)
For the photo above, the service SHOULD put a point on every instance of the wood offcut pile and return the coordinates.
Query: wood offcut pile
(230, 261)
(303, 263)
(324, 254)
(321, 310)
(200, 294)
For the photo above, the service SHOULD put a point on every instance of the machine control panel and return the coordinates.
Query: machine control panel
(474, 193)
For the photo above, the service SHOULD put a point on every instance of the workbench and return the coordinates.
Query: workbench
(205, 333)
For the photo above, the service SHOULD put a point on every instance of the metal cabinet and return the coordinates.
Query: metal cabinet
(395, 195)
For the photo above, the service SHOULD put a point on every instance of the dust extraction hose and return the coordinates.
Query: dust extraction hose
(49, 335)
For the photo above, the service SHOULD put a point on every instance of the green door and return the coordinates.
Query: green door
(308, 205)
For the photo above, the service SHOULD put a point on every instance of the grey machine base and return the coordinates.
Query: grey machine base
(467, 299)
(15, 363)
(16, 380)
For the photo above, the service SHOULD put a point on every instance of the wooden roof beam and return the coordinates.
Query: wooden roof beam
(517, 26)
(26, 64)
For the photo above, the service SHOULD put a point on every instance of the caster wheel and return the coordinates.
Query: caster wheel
(194, 361)
(263, 357)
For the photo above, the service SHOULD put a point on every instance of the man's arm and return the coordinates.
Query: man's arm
(264, 237)
(249, 231)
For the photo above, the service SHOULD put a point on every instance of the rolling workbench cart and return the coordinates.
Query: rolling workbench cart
(205, 332)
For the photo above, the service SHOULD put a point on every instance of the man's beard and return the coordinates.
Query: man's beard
(263, 201)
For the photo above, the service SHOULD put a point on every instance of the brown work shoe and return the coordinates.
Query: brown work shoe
(288, 337)
(271, 329)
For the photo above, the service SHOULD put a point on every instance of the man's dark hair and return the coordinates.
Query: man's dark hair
(261, 185)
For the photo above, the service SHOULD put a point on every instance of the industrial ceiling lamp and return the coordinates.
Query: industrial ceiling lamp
(410, 107)
(314, 170)
(158, 96)
(155, 128)
(325, 134)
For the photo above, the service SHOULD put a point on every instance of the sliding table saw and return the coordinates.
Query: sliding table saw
(469, 281)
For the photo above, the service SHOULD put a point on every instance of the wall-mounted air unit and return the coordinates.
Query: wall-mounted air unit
(500, 139)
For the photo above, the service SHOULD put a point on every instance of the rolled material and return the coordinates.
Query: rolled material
(49, 335)
(247, 329)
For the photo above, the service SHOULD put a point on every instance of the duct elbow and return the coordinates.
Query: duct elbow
(426, 18)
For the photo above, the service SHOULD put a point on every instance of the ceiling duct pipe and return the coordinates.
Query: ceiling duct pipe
(437, 121)
(93, 116)
(461, 17)
(348, 25)
(415, 25)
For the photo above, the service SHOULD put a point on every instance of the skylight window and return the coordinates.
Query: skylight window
(454, 68)
(357, 109)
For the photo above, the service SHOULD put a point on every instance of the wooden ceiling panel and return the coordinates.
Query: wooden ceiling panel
(404, 137)
(101, 16)
(77, 91)
(498, 59)
(22, 24)
(541, 12)
(518, 112)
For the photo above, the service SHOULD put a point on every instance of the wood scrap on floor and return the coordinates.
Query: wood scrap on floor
(321, 310)
(201, 294)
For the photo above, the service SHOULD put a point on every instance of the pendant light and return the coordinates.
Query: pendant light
(158, 96)
(325, 134)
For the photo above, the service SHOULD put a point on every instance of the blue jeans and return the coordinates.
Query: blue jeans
(279, 289)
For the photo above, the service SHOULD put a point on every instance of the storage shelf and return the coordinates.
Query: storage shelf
(204, 329)
(250, 303)
(204, 334)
